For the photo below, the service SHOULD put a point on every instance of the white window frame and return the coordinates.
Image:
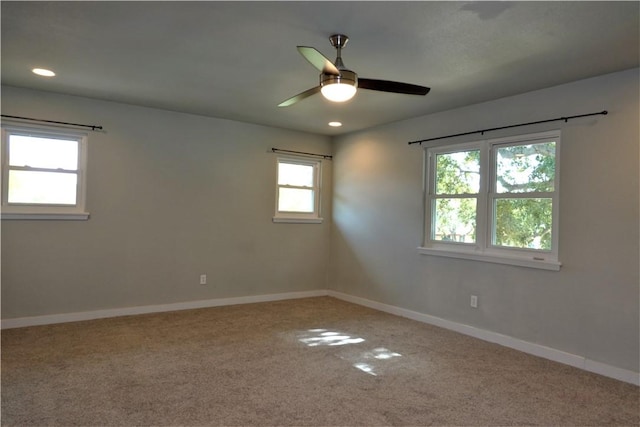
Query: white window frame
(483, 249)
(45, 211)
(300, 217)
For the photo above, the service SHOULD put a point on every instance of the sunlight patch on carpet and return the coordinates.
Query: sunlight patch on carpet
(369, 362)
(365, 364)
(316, 337)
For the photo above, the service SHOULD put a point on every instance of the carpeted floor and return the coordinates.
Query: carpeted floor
(308, 362)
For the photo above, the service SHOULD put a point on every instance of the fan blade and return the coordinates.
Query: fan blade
(300, 97)
(318, 60)
(389, 86)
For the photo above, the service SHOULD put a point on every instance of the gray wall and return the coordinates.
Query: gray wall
(171, 196)
(589, 308)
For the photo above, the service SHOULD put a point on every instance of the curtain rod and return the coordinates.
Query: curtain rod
(93, 127)
(324, 156)
(604, 113)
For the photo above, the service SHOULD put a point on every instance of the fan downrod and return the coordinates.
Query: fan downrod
(339, 41)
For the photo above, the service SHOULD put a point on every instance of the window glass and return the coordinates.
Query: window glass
(458, 173)
(523, 223)
(525, 168)
(39, 152)
(298, 175)
(455, 220)
(52, 188)
(295, 200)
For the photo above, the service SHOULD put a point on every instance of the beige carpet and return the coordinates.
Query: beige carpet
(316, 361)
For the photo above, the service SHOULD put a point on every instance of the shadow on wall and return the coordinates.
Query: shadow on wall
(377, 216)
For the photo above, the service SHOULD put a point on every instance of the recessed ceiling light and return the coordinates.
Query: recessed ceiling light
(43, 72)
(335, 124)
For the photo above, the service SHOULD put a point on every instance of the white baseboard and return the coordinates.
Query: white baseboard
(22, 322)
(574, 360)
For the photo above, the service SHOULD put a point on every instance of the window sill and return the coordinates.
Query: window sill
(496, 259)
(81, 216)
(298, 220)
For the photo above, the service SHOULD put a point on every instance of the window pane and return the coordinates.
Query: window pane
(458, 173)
(455, 220)
(295, 200)
(526, 168)
(43, 152)
(293, 174)
(523, 223)
(52, 188)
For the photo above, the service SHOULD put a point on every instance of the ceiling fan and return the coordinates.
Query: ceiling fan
(339, 84)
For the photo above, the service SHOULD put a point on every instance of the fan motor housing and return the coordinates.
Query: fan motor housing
(347, 77)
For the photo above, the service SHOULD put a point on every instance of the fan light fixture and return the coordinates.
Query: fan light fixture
(339, 88)
(339, 84)
(338, 92)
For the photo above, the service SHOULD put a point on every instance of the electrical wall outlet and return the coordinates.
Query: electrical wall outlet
(203, 279)
(474, 301)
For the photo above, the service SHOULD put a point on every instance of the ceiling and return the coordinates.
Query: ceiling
(238, 60)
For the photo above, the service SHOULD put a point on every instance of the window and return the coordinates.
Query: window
(298, 190)
(495, 200)
(43, 174)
